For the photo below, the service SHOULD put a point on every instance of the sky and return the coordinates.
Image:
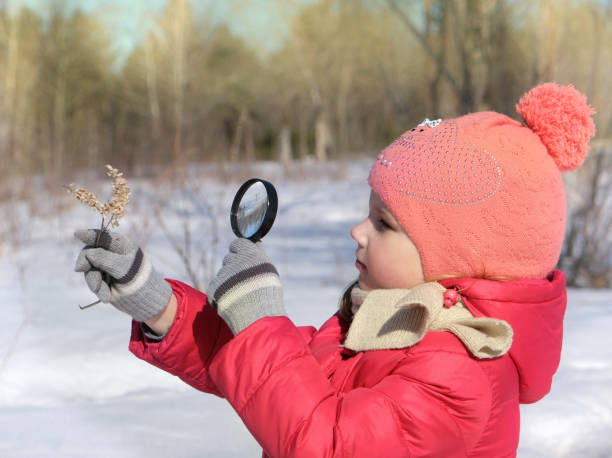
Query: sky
(263, 22)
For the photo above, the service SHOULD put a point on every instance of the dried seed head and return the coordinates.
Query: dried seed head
(115, 206)
(86, 196)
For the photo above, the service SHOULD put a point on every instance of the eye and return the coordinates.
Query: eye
(381, 223)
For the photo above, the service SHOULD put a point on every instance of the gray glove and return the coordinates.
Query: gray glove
(119, 273)
(247, 287)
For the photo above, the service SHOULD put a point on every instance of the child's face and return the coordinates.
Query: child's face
(386, 257)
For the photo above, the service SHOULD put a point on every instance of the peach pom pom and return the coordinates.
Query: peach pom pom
(561, 117)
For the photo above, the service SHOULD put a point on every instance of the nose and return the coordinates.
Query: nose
(358, 234)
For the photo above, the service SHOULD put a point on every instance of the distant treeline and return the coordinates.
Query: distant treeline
(349, 77)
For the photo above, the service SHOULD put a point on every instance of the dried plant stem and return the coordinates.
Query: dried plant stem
(114, 208)
(102, 229)
(97, 245)
(83, 307)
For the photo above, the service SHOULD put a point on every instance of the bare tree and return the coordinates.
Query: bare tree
(468, 23)
(587, 253)
(196, 245)
(9, 87)
(152, 91)
(179, 30)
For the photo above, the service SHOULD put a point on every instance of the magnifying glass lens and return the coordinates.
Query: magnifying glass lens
(254, 209)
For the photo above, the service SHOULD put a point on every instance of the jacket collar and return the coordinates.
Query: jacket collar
(535, 310)
(399, 318)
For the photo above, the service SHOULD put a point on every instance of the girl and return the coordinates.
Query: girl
(455, 319)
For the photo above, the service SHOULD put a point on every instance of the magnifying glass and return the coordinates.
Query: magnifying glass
(254, 209)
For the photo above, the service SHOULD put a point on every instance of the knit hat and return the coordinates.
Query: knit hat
(482, 195)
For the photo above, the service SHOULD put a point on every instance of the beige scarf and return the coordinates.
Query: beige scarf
(399, 318)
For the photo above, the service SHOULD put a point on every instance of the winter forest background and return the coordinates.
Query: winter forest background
(188, 99)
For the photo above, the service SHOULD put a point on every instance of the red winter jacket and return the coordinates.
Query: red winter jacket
(301, 395)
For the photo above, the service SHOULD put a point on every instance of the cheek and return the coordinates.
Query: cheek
(398, 265)
(383, 263)
(392, 270)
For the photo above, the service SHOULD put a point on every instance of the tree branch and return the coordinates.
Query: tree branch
(426, 46)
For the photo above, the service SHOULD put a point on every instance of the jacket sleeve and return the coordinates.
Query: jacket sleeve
(275, 384)
(196, 335)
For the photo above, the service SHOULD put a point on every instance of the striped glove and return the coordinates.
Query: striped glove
(247, 287)
(119, 273)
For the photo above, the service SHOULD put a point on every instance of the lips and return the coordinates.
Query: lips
(360, 266)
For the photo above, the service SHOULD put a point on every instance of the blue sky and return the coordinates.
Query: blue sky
(259, 21)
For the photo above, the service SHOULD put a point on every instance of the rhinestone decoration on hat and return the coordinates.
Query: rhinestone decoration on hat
(430, 122)
(429, 163)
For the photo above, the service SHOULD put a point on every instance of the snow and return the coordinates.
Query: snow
(70, 388)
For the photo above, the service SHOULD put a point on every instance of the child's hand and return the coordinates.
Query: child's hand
(247, 287)
(119, 273)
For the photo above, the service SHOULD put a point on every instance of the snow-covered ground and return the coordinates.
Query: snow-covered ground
(70, 388)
